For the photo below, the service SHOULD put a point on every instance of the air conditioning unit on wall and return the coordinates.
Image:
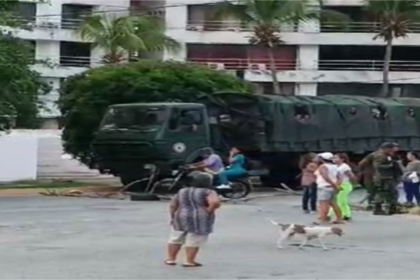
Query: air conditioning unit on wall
(257, 67)
(216, 66)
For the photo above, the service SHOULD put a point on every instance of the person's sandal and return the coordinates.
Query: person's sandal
(192, 264)
(169, 262)
(338, 222)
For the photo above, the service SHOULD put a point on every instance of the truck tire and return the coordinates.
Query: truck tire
(144, 197)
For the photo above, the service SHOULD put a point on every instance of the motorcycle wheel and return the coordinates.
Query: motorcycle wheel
(239, 189)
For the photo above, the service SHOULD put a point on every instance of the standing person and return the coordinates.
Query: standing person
(411, 178)
(347, 180)
(308, 166)
(328, 181)
(365, 167)
(192, 214)
(386, 171)
(235, 170)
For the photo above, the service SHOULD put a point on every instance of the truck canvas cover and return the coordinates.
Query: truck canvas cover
(340, 123)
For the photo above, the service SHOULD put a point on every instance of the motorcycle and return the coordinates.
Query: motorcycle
(239, 188)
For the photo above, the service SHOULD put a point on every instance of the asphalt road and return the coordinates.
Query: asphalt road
(74, 238)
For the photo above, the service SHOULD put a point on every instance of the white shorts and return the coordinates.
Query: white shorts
(186, 238)
(324, 194)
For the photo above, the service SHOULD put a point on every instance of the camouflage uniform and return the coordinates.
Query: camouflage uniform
(366, 169)
(385, 179)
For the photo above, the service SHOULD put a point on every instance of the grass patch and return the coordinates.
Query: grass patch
(53, 184)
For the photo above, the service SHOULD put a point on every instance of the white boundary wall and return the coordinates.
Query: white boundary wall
(32, 154)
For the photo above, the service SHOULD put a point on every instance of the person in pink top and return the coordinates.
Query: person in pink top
(308, 166)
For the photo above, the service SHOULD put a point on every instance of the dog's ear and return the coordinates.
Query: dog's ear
(337, 231)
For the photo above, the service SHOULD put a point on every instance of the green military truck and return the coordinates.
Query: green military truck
(272, 130)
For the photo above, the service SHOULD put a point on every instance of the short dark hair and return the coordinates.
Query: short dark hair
(207, 151)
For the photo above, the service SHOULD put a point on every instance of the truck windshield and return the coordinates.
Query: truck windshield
(133, 118)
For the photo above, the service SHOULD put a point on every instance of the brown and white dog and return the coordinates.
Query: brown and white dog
(306, 232)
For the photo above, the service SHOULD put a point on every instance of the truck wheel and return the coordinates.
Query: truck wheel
(144, 197)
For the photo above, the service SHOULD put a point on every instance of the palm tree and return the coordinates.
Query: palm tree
(394, 18)
(121, 36)
(266, 17)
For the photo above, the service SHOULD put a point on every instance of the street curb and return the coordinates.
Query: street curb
(16, 192)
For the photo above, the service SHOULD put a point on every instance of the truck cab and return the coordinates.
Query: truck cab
(131, 137)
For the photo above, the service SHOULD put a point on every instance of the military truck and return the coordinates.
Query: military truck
(272, 130)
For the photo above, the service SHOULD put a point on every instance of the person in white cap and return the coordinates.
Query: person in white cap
(328, 181)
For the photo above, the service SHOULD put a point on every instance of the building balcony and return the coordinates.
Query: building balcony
(323, 71)
(65, 66)
(231, 32)
(50, 30)
(254, 64)
(361, 27)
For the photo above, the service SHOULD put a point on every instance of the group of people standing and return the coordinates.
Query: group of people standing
(327, 181)
(382, 171)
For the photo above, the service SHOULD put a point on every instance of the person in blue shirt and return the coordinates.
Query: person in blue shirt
(236, 169)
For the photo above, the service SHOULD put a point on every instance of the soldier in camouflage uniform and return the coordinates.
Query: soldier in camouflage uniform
(385, 175)
(365, 167)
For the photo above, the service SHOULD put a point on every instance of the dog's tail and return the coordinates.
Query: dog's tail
(274, 222)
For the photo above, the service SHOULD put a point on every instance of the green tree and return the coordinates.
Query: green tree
(394, 18)
(84, 98)
(20, 86)
(120, 36)
(266, 17)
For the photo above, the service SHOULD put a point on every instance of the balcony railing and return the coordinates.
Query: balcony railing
(254, 64)
(50, 24)
(361, 27)
(234, 26)
(75, 61)
(244, 64)
(345, 27)
(368, 65)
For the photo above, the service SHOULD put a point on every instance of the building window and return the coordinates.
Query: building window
(26, 12)
(32, 50)
(71, 15)
(75, 54)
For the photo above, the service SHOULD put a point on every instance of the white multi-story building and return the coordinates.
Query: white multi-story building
(316, 59)
(57, 43)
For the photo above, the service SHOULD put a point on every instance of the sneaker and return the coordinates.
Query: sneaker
(306, 212)
(223, 187)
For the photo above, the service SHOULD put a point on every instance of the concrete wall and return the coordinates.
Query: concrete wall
(32, 154)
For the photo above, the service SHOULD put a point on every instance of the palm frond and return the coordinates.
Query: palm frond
(394, 17)
(126, 34)
(94, 28)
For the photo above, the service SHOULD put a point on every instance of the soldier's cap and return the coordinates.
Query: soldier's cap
(389, 145)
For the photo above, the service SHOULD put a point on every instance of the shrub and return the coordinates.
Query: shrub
(84, 98)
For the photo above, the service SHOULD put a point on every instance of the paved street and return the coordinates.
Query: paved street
(72, 238)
